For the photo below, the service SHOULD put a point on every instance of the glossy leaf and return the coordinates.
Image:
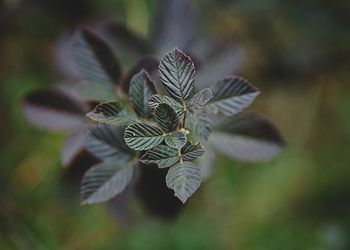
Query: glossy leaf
(105, 142)
(176, 72)
(162, 155)
(176, 139)
(199, 100)
(200, 124)
(156, 99)
(105, 180)
(184, 178)
(94, 58)
(113, 113)
(190, 151)
(141, 136)
(141, 89)
(247, 137)
(166, 117)
(54, 110)
(232, 95)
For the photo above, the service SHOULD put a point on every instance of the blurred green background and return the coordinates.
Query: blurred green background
(296, 52)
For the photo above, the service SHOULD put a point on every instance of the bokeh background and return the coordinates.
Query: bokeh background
(296, 52)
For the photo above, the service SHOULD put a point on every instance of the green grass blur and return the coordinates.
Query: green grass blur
(298, 54)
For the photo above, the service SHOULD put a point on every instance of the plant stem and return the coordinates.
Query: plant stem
(184, 119)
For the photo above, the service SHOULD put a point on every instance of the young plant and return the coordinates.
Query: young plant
(166, 130)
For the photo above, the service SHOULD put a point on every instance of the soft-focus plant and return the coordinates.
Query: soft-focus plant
(166, 130)
(170, 131)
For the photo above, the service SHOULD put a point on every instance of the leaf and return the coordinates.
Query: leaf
(148, 63)
(176, 139)
(73, 145)
(141, 89)
(199, 100)
(156, 99)
(162, 155)
(190, 151)
(207, 163)
(176, 72)
(94, 58)
(141, 136)
(232, 95)
(104, 181)
(92, 91)
(54, 110)
(200, 124)
(184, 178)
(105, 142)
(176, 24)
(247, 137)
(166, 117)
(113, 113)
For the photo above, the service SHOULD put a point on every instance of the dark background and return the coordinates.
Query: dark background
(296, 52)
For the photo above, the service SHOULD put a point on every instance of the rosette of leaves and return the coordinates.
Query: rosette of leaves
(169, 129)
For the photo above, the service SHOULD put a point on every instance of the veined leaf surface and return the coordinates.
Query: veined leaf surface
(184, 178)
(176, 72)
(141, 136)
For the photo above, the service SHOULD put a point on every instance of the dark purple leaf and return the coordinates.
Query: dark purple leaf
(148, 63)
(73, 145)
(94, 58)
(175, 25)
(247, 137)
(54, 110)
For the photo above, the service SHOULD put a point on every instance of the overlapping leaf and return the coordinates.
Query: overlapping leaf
(184, 178)
(190, 151)
(176, 71)
(156, 99)
(94, 58)
(141, 136)
(176, 139)
(199, 100)
(162, 155)
(53, 109)
(113, 113)
(141, 89)
(232, 95)
(247, 137)
(105, 180)
(106, 142)
(166, 117)
(201, 124)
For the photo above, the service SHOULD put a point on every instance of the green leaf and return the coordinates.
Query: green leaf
(184, 178)
(199, 100)
(232, 95)
(166, 117)
(190, 151)
(94, 58)
(104, 181)
(176, 139)
(162, 155)
(141, 136)
(105, 142)
(176, 71)
(113, 113)
(200, 124)
(156, 99)
(141, 89)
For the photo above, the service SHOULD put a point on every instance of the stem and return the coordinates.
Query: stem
(184, 119)
(180, 155)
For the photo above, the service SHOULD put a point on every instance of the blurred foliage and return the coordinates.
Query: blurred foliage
(297, 52)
